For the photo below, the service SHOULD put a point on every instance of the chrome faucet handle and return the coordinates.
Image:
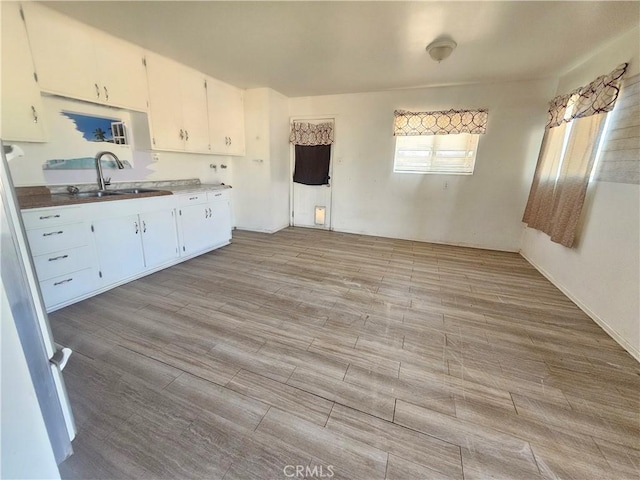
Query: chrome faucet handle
(73, 189)
(107, 181)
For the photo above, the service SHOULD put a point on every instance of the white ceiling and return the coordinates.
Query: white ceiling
(313, 48)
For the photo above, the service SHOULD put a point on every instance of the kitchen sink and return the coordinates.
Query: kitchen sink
(96, 194)
(134, 191)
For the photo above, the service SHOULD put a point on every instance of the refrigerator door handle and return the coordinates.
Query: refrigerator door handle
(61, 357)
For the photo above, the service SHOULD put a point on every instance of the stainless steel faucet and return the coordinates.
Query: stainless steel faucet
(102, 183)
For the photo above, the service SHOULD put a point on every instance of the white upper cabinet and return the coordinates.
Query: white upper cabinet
(194, 111)
(121, 72)
(226, 118)
(22, 118)
(165, 104)
(177, 106)
(77, 61)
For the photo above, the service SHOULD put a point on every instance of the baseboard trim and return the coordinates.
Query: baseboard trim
(634, 352)
(436, 242)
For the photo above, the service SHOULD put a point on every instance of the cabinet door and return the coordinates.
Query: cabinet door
(119, 247)
(121, 73)
(165, 104)
(221, 217)
(22, 118)
(63, 53)
(159, 237)
(226, 118)
(194, 111)
(196, 228)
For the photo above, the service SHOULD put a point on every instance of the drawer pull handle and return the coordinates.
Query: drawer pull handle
(193, 198)
(52, 233)
(59, 257)
(62, 281)
(49, 216)
(217, 194)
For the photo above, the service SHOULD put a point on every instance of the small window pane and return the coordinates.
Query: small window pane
(444, 154)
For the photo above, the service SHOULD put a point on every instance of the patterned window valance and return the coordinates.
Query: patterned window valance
(304, 133)
(597, 97)
(445, 122)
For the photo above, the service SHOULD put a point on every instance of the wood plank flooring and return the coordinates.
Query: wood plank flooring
(367, 357)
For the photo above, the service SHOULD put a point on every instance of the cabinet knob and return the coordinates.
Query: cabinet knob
(136, 224)
(106, 94)
(34, 112)
(186, 135)
(97, 90)
(181, 134)
(144, 226)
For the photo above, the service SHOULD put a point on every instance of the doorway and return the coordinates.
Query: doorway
(311, 204)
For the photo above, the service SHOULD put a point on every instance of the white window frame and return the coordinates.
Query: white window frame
(452, 154)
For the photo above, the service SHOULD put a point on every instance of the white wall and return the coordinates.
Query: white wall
(601, 274)
(483, 210)
(66, 142)
(25, 448)
(261, 177)
(280, 154)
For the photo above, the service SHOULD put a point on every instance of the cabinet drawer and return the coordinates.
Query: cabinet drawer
(53, 216)
(215, 196)
(58, 263)
(192, 199)
(66, 287)
(57, 238)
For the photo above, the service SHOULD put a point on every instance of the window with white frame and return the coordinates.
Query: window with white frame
(445, 154)
(441, 142)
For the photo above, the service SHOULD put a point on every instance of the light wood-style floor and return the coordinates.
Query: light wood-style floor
(370, 358)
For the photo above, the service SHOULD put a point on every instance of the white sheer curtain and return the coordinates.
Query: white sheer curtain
(561, 178)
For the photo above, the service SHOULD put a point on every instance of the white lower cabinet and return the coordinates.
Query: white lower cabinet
(220, 214)
(159, 237)
(196, 228)
(118, 244)
(85, 249)
(60, 243)
(204, 220)
(60, 290)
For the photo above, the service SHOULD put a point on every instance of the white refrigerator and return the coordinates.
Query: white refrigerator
(32, 363)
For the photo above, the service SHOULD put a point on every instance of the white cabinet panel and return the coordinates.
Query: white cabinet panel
(120, 72)
(22, 113)
(46, 217)
(165, 103)
(66, 261)
(196, 228)
(78, 61)
(226, 118)
(57, 238)
(67, 287)
(177, 106)
(63, 53)
(194, 111)
(159, 237)
(220, 212)
(119, 247)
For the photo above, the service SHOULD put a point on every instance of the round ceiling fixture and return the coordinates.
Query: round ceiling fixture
(441, 49)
